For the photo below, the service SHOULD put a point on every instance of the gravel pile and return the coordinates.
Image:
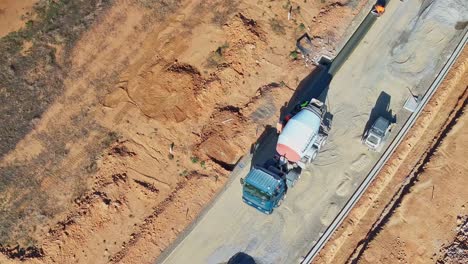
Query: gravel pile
(457, 252)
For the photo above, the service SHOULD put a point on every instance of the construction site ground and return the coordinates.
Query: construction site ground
(122, 119)
(415, 211)
(382, 72)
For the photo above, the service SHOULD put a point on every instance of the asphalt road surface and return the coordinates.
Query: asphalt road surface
(403, 51)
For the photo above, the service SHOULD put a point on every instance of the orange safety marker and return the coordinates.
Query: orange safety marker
(379, 9)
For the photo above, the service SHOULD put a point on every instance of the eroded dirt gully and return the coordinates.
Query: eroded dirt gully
(416, 205)
(160, 101)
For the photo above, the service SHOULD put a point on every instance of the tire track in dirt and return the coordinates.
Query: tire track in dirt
(159, 209)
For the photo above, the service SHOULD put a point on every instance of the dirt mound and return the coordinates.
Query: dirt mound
(166, 93)
(221, 140)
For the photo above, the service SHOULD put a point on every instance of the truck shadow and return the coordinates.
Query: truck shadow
(315, 85)
(265, 145)
(240, 258)
(381, 108)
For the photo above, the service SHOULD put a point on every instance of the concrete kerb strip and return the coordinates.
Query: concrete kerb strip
(376, 169)
(355, 23)
(352, 43)
(242, 165)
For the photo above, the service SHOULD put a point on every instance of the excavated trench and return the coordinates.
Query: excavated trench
(224, 165)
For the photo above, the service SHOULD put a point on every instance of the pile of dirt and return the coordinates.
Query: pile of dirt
(167, 92)
(219, 142)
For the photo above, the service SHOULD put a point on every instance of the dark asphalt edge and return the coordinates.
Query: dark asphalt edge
(355, 23)
(352, 43)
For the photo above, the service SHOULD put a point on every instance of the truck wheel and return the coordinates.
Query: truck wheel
(324, 141)
(313, 156)
(294, 182)
(280, 201)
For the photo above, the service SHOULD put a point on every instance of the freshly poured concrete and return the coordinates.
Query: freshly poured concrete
(404, 49)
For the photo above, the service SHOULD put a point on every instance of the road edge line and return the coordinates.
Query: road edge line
(378, 166)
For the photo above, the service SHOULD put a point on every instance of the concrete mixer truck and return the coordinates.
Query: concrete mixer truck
(301, 136)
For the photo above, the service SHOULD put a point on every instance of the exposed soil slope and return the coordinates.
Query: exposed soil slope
(136, 111)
